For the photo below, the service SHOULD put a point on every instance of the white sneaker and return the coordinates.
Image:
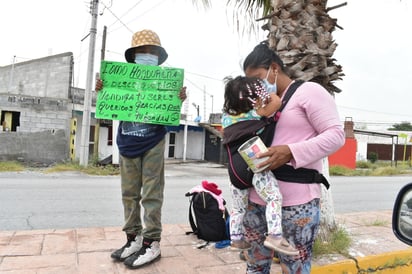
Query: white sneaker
(131, 247)
(146, 255)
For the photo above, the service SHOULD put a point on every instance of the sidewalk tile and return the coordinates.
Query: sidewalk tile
(5, 237)
(94, 239)
(96, 262)
(35, 232)
(35, 262)
(58, 243)
(18, 271)
(58, 270)
(178, 265)
(199, 257)
(23, 245)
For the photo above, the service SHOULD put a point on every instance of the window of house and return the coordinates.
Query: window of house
(110, 136)
(10, 120)
(172, 144)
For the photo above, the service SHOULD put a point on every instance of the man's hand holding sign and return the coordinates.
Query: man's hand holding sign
(140, 93)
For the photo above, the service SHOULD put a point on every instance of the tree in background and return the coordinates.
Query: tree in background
(403, 126)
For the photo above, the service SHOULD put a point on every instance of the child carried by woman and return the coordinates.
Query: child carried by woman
(247, 99)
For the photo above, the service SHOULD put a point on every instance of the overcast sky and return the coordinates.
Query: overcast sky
(374, 48)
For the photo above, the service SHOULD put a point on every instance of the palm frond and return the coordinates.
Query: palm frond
(252, 7)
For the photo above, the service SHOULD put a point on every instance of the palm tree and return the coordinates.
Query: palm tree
(301, 33)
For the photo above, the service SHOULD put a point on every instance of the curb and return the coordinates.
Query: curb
(397, 262)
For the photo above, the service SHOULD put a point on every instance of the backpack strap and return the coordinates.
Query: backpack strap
(191, 219)
(291, 90)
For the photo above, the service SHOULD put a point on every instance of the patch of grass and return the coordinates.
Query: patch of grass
(369, 169)
(376, 222)
(11, 166)
(364, 164)
(90, 169)
(340, 171)
(339, 242)
(386, 171)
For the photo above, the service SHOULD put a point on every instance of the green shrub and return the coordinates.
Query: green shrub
(373, 157)
(338, 242)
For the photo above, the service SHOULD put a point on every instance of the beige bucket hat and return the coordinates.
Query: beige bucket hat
(145, 38)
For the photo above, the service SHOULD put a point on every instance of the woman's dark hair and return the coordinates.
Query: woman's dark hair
(237, 92)
(262, 57)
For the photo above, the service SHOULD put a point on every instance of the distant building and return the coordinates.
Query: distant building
(362, 145)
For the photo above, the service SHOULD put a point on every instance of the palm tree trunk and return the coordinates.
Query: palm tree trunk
(301, 33)
(327, 211)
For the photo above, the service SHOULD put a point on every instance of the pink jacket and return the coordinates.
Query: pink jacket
(310, 126)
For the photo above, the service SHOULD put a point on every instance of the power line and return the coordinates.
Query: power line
(124, 14)
(158, 4)
(124, 25)
(377, 112)
(150, 9)
(204, 76)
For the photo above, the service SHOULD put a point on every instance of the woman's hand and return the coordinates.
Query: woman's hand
(278, 156)
(182, 94)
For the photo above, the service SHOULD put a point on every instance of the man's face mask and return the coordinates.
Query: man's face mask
(146, 59)
(270, 88)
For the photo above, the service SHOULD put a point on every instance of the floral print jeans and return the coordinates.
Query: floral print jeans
(300, 226)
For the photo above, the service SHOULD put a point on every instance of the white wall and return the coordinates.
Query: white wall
(194, 147)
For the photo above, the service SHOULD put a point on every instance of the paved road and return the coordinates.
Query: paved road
(32, 200)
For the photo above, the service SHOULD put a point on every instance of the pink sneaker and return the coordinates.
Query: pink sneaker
(280, 245)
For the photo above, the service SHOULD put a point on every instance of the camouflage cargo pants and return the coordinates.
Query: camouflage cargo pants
(142, 184)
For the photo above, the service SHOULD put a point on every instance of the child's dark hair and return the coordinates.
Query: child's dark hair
(241, 94)
(262, 57)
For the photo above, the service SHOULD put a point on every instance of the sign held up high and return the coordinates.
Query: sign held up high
(140, 93)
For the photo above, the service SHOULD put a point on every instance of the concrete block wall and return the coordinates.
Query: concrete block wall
(31, 121)
(45, 77)
(38, 114)
(40, 147)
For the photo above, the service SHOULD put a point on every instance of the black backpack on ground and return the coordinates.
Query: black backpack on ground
(207, 220)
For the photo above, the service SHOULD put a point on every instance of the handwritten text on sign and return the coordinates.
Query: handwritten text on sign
(138, 93)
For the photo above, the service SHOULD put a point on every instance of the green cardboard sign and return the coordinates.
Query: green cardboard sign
(139, 93)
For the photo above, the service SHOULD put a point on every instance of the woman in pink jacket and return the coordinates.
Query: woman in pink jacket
(308, 130)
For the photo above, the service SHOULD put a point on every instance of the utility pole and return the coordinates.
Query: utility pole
(204, 104)
(97, 126)
(85, 136)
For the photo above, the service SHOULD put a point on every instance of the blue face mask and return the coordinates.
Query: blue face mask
(270, 88)
(146, 59)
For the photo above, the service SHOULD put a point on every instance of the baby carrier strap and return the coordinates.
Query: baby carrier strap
(300, 175)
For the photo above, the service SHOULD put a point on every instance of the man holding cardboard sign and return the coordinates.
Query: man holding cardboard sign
(145, 98)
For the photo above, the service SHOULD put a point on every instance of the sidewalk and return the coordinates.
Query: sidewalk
(87, 250)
